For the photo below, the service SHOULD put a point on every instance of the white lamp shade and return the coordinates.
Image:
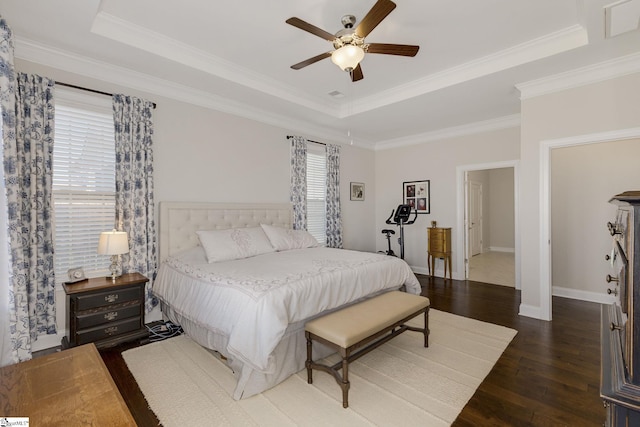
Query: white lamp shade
(113, 243)
(348, 56)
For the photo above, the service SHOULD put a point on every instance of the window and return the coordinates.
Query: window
(316, 192)
(83, 181)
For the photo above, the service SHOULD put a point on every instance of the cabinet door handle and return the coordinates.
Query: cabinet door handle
(614, 327)
(612, 291)
(111, 315)
(610, 278)
(613, 228)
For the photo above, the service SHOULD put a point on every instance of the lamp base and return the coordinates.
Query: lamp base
(114, 268)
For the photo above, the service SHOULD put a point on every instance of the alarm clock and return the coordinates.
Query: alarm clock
(76, 275)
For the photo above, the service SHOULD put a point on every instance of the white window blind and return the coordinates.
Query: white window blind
(83, 181)
(316, 192)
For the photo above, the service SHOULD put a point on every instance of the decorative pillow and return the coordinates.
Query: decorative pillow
(234, 243)
(284, 239)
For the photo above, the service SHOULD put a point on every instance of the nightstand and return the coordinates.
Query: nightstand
(105, 312)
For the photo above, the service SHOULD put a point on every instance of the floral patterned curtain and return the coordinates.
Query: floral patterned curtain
(27, 132)
(299, 182)
(7, 132)
(334, 217)
(134, 187)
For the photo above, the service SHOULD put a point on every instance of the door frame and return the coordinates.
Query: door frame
(462, 239)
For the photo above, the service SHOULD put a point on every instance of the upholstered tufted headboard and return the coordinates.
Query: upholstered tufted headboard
(179, 221)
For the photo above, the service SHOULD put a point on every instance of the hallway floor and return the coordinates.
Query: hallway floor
(493, 267)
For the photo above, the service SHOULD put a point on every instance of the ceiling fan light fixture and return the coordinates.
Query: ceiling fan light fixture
(347, 57)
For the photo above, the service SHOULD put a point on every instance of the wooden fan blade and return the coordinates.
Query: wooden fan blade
(356, 74)
(378, 12)
(299, 23)
(311, 60)
(393, 49)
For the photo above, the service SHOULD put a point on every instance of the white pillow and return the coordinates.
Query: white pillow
(234, 243)
(284, 239)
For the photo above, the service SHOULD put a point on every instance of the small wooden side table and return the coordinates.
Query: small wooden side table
(68, 388)
(105, 312)
(439, 246)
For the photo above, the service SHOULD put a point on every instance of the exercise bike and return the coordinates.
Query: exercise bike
(388, 233)
(400, 217)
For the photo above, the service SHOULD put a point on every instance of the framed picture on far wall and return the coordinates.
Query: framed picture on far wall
(417, 195)
(357, 191)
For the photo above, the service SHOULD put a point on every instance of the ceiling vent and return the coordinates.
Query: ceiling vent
(621, 17)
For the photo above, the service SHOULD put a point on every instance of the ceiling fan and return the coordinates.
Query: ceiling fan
(349, 45)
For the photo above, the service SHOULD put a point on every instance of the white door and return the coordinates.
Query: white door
(475, 218)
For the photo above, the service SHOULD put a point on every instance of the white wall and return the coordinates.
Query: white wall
(435, 161)
(583, 179)
(501, 210)
(601, 107)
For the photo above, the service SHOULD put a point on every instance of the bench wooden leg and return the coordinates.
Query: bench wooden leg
(309, 359)
(426, 327)
(345, 379)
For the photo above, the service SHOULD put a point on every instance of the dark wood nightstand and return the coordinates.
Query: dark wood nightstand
(105, 312)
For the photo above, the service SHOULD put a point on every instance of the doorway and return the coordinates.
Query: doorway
(487, 216)
(546, 147)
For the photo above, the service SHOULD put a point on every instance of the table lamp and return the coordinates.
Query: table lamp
(114, 243)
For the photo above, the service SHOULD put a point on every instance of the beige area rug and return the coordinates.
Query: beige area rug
(401, 383)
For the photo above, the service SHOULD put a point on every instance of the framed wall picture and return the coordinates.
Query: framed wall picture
(357, 191)
(417, 195)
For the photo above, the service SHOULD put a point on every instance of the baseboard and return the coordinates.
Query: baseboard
(439, 272)
(500, 249)
(154, 315)
(598, 297)
(419, 270)
(530, 311)
(45, 342)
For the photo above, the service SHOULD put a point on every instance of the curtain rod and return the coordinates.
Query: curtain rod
(99, 92)
(308, 140)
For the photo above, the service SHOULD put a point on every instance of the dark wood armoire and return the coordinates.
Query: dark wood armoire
(620, 333)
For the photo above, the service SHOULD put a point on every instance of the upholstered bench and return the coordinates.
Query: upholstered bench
(363, 327)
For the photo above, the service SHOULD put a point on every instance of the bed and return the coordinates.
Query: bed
(248, 300)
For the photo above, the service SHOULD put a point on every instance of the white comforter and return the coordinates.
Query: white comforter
(253, 300)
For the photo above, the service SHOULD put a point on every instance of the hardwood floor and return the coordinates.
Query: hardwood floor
(548, 376)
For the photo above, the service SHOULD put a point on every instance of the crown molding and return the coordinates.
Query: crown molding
(622, 66)
(505, 122)
(551, 44)
(123, 31)
(28, 50)
(120, 30)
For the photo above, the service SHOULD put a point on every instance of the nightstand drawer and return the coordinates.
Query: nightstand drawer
(437, 246)
(97, 317)
(108, 330)
(115, 296)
